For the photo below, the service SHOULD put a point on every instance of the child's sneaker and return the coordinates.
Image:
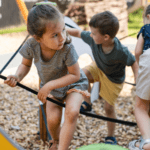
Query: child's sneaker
(110, 140)
(132, 145)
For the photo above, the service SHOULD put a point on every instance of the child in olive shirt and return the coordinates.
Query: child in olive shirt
(111, 57)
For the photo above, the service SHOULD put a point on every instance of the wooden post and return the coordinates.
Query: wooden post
(43, 131)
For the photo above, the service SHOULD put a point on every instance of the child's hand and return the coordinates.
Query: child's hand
(12, 80)
(43, 93)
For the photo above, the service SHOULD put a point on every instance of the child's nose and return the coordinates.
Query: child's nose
(62, 37)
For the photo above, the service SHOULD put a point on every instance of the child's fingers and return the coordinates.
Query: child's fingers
(7, 80)
(42, 98)
(10, 81)
(13, 82)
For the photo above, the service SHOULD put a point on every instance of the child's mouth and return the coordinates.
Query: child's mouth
(61, 44)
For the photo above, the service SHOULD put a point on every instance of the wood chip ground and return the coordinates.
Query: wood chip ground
(19, 109)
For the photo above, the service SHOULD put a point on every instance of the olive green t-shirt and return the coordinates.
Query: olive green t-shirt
(112, 64)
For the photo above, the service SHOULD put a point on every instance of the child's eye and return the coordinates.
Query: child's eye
(63, 29)
(55, 35)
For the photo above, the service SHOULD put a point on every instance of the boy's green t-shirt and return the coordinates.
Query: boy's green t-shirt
(112, 64)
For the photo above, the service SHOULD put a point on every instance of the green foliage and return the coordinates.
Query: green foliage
(12, 30)
(135, 22)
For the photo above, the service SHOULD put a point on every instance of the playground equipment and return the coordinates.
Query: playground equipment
(23, 9)
(80, 46)
(7, 143)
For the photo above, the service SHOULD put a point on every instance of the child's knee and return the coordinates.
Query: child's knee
(142, 104)
(71, 115)
(109, 109)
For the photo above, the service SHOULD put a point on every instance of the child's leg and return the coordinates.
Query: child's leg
(54, 113)
(141, 114)
(110, 112)
(91, 80)
(73, 103)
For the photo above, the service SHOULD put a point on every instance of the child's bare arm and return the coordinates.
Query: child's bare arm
(139, 47)
(135, 68)
(24, 68)
(74, 32)
(72, 77)
(21, 72)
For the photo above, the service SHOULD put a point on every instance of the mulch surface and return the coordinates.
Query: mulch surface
(20, 119)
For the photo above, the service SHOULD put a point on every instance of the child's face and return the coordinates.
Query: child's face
(146, 19)
(55, 35)
(97, 37)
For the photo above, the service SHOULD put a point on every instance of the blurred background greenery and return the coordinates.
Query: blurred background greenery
(135, 22)
(14, 29)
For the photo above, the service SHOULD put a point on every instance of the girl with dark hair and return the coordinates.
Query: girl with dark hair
(61, 78)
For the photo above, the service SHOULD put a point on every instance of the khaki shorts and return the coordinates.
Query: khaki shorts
(109, 90)
(143, 79)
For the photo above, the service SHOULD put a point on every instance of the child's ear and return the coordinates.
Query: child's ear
(148, 16)
(106, 37)
(36, 38)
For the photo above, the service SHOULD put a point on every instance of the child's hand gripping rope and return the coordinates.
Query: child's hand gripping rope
(43, 93)
(12, 80)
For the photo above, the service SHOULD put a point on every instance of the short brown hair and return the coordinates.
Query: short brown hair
(106, 22)
(147, 11)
